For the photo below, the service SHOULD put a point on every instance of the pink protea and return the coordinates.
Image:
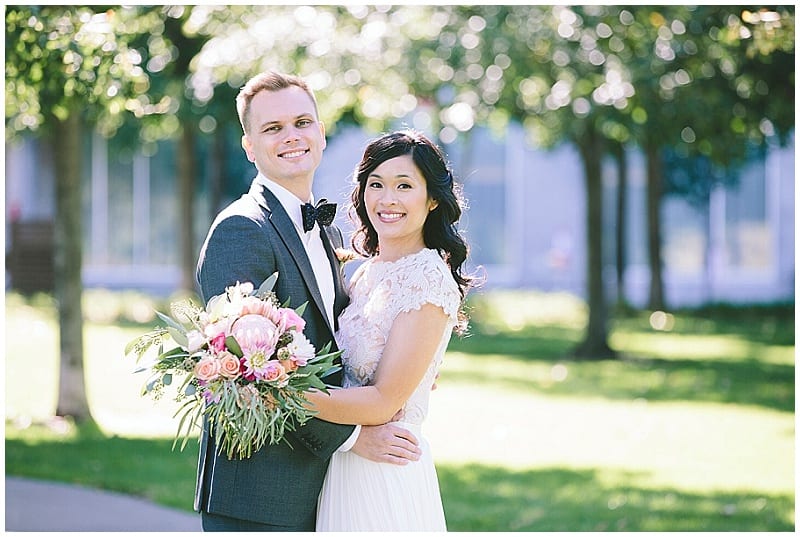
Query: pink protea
(254, 332)
(257, 336)
(256, 306)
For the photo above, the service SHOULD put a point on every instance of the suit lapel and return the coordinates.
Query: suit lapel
(285, 228)
(340, 297)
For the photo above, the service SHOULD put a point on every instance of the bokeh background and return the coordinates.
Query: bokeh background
(629, 172)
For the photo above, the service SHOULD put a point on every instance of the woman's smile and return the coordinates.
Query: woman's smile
(390, 217)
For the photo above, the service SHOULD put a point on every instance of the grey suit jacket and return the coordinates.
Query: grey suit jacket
(248, 241)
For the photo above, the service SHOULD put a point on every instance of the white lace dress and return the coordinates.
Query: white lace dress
(358, 494)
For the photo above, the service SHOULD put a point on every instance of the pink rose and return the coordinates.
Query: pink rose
(229, 366)
(207, 369)
(287, 318)
(218, 342)
(273, 372)
(288, 365)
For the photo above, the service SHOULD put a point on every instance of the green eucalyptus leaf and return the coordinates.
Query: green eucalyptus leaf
(170, 322)
(179, 336)
(233, 346)
(267, 285)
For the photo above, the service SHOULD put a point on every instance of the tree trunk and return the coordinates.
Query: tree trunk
(187, 174)
(595, 345)
(68, 260)
(216, 178)
(622, 223)
(654, 194)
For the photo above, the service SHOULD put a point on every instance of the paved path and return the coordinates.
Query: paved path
(33, 505)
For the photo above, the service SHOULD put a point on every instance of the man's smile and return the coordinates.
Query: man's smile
(295, 153)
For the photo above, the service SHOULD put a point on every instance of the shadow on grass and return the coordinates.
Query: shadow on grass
(476, 497)
(740, 381)
(484, 498)
(143, 467)
(768, 324)
(743, 383)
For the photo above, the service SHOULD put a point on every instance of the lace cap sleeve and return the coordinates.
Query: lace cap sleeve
(427, 280)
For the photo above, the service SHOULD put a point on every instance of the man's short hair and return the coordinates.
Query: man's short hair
(268, 81)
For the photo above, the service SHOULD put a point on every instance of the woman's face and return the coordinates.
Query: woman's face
(397, 204)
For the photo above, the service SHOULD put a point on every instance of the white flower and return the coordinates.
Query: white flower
(196, 341)
(300, 349)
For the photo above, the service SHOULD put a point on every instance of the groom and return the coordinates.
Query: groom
(261, 233)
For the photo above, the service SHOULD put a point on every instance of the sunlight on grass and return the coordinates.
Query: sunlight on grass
(33, 397)
(513, 310)
(689, 446)
(688, 346)
(117, 406)
(111, 386)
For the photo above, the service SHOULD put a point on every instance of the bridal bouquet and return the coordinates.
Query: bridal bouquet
(245, 364)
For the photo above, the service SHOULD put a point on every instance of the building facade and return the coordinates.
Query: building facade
(525, 219)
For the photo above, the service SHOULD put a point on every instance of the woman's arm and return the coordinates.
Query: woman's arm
(410, 347)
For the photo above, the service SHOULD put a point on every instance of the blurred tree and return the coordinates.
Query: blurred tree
(170, 111)
(544, 67)
(600, 77)
(709, 86)
(66, 68)
(185, 42)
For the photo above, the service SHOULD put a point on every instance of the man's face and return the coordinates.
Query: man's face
(284, 138)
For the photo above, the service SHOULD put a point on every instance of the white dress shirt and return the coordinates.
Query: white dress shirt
(315, 250)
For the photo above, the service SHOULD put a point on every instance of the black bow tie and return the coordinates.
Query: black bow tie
(322, 213)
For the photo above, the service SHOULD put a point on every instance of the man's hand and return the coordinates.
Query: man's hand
(387, 443)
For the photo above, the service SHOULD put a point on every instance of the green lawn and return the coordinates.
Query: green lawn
(691, 429)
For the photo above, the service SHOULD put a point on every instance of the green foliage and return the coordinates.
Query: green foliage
(62, 60)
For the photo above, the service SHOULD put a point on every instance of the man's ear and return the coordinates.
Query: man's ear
(322, 131)
(248, 148)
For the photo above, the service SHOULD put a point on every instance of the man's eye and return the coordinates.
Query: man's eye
(304, 123)
(272, 128)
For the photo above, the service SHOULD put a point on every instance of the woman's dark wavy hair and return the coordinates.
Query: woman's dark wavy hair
(439, 231)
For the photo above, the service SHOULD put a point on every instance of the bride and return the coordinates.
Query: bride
(405, 301)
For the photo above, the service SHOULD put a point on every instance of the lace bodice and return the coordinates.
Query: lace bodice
(381, 290)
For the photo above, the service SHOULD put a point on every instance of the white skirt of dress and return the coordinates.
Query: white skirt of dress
(362, 495)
